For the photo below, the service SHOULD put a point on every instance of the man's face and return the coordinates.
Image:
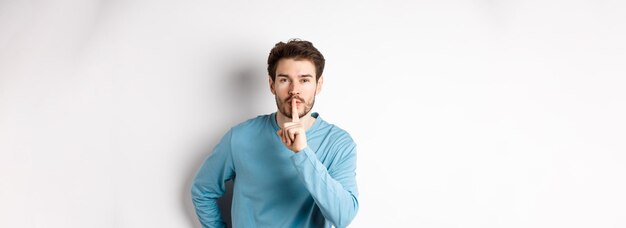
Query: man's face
(295, 79)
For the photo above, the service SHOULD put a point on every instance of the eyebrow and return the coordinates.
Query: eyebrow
(303, 75)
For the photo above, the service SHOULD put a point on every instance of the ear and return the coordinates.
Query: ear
(271, 85)
(320, 82)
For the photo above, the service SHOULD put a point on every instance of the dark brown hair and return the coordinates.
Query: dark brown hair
(295, 49)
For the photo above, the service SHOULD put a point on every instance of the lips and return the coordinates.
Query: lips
(298, 101)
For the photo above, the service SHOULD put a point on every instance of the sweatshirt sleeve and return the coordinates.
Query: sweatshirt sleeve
(209, 183)
(334, 189)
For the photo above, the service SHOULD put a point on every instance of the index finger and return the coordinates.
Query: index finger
(294, 111)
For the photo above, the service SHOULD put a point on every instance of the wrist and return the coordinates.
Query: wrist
(296, 150)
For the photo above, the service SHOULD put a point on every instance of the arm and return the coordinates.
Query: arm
(334, 190)
(209, 183)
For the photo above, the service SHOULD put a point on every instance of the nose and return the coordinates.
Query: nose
(295, 89)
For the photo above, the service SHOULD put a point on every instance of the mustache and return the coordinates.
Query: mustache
(291, 98)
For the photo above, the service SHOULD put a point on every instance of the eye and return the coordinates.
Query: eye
(282, 80)
(306, 80)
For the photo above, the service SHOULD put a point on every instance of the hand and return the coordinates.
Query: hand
(293, 134)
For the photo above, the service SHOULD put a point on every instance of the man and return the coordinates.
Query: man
(290, 168)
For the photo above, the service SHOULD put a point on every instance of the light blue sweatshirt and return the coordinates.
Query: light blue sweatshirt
(275, 187)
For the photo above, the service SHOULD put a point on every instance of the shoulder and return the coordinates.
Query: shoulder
(338, 135)
(339, 132)
(253, 124)
(337, 143)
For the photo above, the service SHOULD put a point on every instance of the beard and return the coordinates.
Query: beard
(285, 106)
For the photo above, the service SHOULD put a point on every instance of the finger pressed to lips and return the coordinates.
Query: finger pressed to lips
(295, 116)
(296, 99)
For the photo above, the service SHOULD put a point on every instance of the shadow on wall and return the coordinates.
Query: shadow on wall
(241, 89)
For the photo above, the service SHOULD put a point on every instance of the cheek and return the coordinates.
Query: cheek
(281, 93)
(281, 88)
(311, 89)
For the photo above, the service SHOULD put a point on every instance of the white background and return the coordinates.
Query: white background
(466, 113)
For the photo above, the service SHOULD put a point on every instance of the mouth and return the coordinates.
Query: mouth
(298, 101)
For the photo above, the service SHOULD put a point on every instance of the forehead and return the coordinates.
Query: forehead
(293, 67)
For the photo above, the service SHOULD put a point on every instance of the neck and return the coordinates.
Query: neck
(307, 120)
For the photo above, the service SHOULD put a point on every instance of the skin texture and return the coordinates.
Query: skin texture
(294, 89)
